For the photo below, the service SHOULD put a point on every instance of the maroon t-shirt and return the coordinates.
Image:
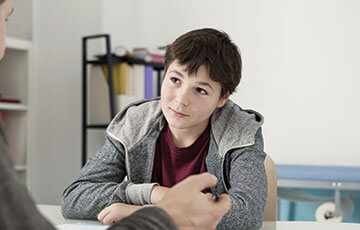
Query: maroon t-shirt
(173, 164)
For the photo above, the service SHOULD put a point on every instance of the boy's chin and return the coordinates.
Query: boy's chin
(177, 124)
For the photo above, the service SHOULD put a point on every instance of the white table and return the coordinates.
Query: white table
(297, 225)
(53, 214)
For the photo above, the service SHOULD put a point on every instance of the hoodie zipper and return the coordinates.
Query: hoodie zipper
(127, 163)
(222, 161)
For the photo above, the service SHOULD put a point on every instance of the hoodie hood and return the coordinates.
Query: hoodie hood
(242, 134)
(133, 123)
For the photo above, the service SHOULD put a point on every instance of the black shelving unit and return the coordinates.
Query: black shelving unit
(108, 59)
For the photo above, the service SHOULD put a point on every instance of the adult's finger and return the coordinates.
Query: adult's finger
(224, 203)
(202, 181)
(209, 195)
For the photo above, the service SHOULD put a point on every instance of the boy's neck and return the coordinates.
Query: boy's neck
(183, 138)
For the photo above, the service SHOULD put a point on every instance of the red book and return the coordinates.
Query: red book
(9, 99)
(155, 58)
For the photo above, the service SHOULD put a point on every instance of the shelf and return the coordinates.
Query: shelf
(102, 60)
(20, 168)
(129, 60)
(13, 106)
(18, 44)
(96, 126)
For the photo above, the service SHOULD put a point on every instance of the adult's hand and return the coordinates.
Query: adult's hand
(158, 193)
(116, 211)
(190, 208)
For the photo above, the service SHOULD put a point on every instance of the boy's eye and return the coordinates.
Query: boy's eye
(201, 91)
(6, 19)
(175, 80)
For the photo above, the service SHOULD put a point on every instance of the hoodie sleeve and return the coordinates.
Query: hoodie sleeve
(101, 183)
(248, 187)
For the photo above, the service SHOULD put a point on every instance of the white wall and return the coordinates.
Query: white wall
(58, 28)
(20, 23)
(300, 64)
(300, 71)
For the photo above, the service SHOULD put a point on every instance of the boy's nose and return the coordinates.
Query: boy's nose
(183, 97)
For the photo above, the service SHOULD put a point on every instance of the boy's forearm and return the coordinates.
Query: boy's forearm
(85, 200)
(100, 183)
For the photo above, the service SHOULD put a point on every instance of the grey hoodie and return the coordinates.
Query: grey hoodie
(235, 157)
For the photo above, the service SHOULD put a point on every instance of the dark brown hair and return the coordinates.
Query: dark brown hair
(211, 48)
(2, 1)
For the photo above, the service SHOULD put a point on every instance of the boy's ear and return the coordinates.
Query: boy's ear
(224, 99)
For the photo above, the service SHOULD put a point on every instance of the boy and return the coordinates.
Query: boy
(17, 210)
(193, 128)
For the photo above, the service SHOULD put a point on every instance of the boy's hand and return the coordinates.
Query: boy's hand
(157, 193)
(190, 208)
(116, 212)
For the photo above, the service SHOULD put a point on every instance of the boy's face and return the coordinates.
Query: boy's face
(5, 11)
(188, 101)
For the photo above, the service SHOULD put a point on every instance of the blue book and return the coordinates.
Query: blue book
(149, 82)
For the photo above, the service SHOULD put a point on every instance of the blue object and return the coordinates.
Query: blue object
(319, 173)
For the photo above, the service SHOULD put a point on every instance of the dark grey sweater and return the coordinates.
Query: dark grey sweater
(18, 211)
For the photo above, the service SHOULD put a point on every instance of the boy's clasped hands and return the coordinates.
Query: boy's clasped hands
(185, 203)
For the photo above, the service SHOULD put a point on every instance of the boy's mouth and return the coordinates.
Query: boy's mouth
(177, 114)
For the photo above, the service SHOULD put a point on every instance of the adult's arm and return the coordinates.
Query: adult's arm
(248, 187)
(17, 210)
(101, 183)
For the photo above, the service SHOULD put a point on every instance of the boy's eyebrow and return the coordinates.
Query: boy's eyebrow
(205, 84)
(199, 82)
(177, 72)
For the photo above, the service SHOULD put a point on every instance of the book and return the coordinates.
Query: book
(155, 84)
(99, 105)
(120, 72)
(155, 56)
(139, 53)
(149, 82)
(115, 77)
(9, 99)
(139, 79)
(130, 81)
(123, 72)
